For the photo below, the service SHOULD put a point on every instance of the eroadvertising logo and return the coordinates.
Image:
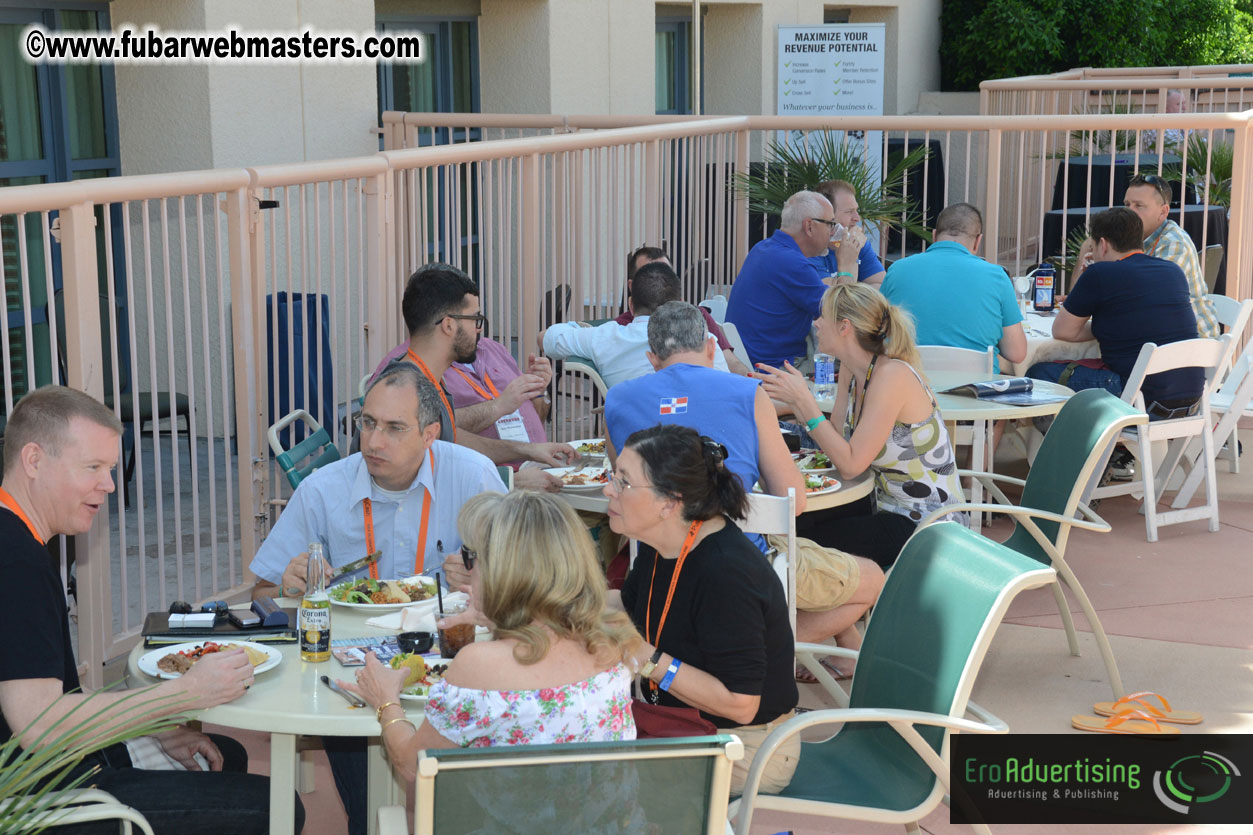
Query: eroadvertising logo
(1097, 779)
(1194, 779)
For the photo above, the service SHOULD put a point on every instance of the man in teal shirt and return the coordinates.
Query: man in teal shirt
(955, 297)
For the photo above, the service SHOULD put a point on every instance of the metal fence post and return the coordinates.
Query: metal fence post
(740, 252)
(84, 365)
(991, 232)
(382, 293)
(530, 226)
(243, 226)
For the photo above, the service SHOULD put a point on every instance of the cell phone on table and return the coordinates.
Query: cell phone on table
(244, 620)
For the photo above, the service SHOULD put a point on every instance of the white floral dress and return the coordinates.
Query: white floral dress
(596, 709)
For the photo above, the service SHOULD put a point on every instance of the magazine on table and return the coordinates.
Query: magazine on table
(1013, 391)
(351, 652)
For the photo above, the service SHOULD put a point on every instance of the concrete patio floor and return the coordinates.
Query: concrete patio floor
(1179, 613)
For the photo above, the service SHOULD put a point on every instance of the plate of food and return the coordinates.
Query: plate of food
(587, 478)
(382, 595)
(423, 674)
(814, 463)
(589, 446)
(173, 661)
(818, 485)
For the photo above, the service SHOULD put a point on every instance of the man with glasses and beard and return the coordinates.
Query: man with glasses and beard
(488, 406)
(400, 495)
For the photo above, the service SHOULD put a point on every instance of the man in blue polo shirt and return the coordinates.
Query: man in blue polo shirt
(956, 298)
(778, 293)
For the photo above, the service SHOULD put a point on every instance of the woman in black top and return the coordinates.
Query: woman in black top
(702, 594)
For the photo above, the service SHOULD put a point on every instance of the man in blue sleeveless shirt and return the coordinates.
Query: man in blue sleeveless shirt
(833, 589)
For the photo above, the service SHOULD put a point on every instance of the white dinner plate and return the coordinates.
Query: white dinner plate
(581, 441)
(831, 487)
(389, 607)
(410, 697)
(800, 463)
(590, 472)
(148, 661)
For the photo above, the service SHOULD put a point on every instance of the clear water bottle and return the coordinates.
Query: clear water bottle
(824, 376)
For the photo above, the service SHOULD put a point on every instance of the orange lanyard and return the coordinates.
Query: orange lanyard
(367, 513)
(674, 581)
(475, 386)
(11, 504)
(452, 418)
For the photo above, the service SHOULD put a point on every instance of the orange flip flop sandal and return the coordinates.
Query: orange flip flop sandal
(1139, 701)
(1130, 721)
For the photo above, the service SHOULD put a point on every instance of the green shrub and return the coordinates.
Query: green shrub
(986, 39)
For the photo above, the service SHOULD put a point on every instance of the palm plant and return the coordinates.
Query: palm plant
(33, 780)
(1080, 143)
(794, 165)
(1210, 166)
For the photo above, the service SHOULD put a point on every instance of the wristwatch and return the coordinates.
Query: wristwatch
(651, 664)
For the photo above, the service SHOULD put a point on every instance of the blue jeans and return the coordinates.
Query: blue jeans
(1081, 378)
(186, 802)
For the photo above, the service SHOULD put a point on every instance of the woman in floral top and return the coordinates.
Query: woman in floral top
(555, 671)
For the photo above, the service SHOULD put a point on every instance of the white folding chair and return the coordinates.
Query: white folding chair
(732, 334)
(1232, 315)
(1210, 355)
(717, 307)
(1230, 403)
(948, 358)
(977, 435)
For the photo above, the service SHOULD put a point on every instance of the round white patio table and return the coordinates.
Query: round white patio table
(289, 701)
(1042, 347)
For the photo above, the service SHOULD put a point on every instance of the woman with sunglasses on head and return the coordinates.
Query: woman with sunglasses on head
(555, 671)
(891, 423)
(712, 610)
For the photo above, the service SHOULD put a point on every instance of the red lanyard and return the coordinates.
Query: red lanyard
(11, 504)
(452, 418)
(674, 581)
(367, 513)
(475, 386)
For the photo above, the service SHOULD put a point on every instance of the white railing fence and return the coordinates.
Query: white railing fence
(234, 288)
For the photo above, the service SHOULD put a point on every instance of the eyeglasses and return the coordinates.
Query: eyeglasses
(469, 558)
(391, 430)
(479, 320)
(621, 485)
(831, 224)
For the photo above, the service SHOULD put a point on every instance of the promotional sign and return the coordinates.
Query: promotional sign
(834, 70)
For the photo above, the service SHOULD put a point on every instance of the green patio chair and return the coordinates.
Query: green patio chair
(676, 785)
(889, 761)
(1070, 460)
(315, 451)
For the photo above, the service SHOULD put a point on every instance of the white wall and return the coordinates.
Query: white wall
(186, 117)
(514, 71)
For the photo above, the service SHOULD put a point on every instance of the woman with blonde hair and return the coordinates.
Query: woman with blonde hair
(890, 420)
(556, 670)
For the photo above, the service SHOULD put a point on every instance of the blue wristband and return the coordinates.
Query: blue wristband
(668, 678)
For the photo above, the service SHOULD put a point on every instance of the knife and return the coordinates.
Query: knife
(355, 565)
(352, 698)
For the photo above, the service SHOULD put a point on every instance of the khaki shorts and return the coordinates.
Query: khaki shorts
(778, 771)
(825, 578)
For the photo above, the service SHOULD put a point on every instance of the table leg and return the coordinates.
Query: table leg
(282, 784)
(979, 463)
(383, 787)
